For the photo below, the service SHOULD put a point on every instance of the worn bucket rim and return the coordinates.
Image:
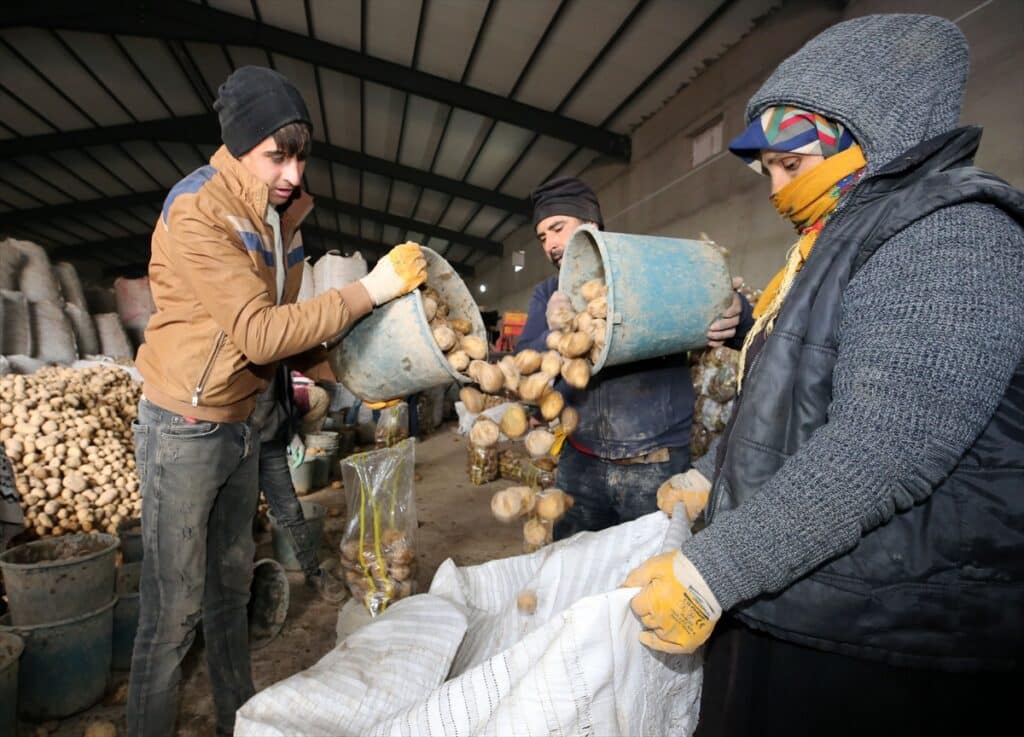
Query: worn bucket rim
(113, 544)
(586, 235)
(19, 647)
(30, 628)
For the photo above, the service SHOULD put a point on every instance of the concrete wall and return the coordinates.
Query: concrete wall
(661, 193)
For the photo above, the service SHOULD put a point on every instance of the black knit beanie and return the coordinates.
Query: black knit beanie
(565, 196)
(253, 103)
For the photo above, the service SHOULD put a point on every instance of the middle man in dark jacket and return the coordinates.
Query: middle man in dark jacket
(634, 429)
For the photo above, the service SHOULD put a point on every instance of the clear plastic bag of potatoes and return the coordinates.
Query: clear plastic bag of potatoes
(392, 426)
(378, 550)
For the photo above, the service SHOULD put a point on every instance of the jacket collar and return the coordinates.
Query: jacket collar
(238, 179)
(256, 194)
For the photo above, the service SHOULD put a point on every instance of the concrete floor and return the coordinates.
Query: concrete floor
(454, 522)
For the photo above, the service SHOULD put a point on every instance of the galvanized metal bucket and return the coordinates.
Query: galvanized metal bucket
(66, 664)
(269, 597)
(59, 578)
(392, 353)
(663, 293)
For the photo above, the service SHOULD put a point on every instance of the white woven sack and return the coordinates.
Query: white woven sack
(113, 339)
(11, 261)
(463, 660)
(70, 285)
(17, 329)
(52, 334)
(134, 306)
(307, 289)
(333, 271)
(36, 280)
(86, 337)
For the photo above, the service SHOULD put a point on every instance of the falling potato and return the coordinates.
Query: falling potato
(514, 422)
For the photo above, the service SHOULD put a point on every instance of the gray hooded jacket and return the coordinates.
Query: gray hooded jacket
(871, 499)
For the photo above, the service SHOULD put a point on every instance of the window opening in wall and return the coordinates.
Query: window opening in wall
(707, 142)
(518, 260)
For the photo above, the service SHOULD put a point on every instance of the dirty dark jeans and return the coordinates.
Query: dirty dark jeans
(276, 483)
(199, 495)
(606, 494)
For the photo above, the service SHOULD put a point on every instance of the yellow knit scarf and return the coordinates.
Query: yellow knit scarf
(807, 202)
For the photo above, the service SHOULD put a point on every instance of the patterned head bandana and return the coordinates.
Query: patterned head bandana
(785, 128)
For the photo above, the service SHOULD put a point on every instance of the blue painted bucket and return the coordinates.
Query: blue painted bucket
(663, 293)
(392, 353)
(66, 664)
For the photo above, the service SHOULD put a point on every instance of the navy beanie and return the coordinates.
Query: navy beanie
(253, 103)
(566, 196)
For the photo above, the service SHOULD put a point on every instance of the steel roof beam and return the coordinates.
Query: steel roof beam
(185, 21)
(204, 129)
(48, 212)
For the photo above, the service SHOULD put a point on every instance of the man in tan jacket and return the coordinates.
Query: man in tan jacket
(225, 271)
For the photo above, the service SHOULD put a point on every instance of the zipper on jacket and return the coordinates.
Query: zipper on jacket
(201, 384)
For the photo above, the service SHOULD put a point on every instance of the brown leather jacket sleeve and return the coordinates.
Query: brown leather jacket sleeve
(221, 276)
(314, 364)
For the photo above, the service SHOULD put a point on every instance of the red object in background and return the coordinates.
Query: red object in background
(300, 391)
(512, 324)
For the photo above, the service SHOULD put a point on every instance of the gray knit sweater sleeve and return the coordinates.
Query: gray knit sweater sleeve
(931, 332)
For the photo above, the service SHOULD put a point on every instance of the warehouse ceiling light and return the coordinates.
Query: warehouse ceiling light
(483, 288)
(518, 260)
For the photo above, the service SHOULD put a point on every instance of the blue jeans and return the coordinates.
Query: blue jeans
(277, 486)
(605, 493)
(199, 494)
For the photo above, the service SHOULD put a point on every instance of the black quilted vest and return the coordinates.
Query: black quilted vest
(941, 585)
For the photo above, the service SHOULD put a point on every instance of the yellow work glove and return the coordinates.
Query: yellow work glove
(675, 605)
(398, 273)
(690, 488)
(383, 404)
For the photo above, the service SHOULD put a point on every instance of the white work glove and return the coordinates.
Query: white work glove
(559, 313)
(398, 273)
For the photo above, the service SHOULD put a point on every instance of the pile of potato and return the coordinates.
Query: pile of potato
(380, 577)
(714, 377)
(68, 435)
(452, 334)
(540, 510)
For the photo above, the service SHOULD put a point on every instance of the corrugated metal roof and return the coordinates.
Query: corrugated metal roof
(433, 118)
